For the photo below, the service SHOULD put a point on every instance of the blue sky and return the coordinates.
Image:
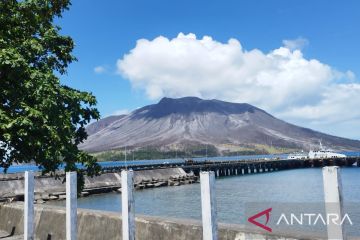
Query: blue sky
(104, 31)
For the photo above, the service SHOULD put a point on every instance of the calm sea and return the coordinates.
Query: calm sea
(299, 190)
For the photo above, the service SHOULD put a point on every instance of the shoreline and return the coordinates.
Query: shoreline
(48, 188)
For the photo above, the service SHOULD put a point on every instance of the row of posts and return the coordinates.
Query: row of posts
(332, 193)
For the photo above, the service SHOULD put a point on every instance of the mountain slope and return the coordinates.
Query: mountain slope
(103, 123)
(192, 121)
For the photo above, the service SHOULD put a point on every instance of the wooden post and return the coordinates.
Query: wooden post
(128, 205)
(71, 206)
(333, 200)
(208, 206)
(29, 206)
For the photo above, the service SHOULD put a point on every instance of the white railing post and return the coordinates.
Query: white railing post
(333, 200)
(29, 206)
(208, 206)
(71, 206)
(128, 205)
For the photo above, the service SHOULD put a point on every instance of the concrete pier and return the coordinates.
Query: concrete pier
(230, 168)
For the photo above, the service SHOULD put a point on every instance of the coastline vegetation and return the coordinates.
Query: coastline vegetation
(151, 153)
(42, 120)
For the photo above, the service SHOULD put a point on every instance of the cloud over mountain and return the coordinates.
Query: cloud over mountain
(282, 81)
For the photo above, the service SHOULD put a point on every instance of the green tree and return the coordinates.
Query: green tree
(41, 120)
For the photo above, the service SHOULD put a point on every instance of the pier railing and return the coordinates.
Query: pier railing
(332, 193)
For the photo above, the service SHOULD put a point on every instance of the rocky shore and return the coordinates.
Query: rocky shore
(48, 188)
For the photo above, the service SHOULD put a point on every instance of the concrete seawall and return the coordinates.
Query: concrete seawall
(50, 224)
(49, 188)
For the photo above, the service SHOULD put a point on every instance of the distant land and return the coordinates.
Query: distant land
(194, 124)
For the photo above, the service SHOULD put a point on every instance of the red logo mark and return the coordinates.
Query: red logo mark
(267, 214)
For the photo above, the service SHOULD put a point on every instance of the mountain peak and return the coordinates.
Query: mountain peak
(188, 105)
(183, 99)
(184, 122)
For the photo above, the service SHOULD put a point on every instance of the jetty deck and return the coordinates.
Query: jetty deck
(238, 167)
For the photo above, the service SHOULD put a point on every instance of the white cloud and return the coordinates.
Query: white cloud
(339, 102)
(281, 81)
(298, 43)
(99, 69)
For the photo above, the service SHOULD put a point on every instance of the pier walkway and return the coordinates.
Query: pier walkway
(240, 167)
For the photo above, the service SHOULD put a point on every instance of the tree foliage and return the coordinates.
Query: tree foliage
(41, 120)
